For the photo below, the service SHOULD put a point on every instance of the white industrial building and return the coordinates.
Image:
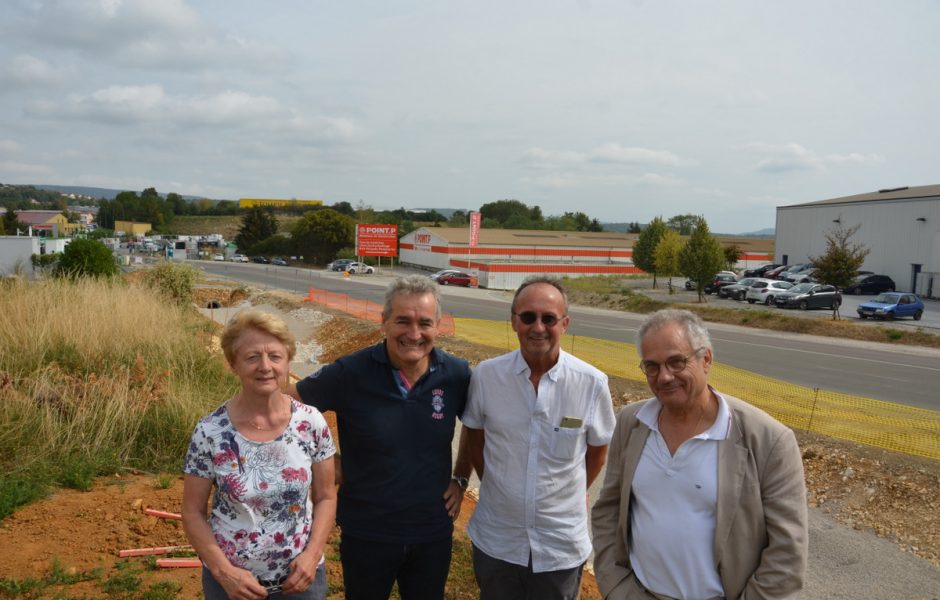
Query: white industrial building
(16, 252)
(900, 227)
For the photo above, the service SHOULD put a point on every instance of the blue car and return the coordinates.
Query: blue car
(891, 305)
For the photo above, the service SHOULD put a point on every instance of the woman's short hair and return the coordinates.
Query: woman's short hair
(411, 285)
(246, 320)
(692, 327)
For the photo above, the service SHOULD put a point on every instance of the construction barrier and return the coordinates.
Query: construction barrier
(897, 427)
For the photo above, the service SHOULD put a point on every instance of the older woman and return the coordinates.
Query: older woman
(270, 459)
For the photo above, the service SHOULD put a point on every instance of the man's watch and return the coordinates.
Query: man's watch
(462, 482)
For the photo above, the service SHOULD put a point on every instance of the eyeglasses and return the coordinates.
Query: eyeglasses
(673, 364)
(548, 319)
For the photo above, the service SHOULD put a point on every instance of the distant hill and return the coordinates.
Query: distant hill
(94, 192)
(768, 232)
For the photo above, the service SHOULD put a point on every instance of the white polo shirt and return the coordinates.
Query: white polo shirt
(532, 497)
(673, 510)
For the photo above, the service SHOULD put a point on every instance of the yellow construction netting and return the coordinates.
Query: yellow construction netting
(876, 423)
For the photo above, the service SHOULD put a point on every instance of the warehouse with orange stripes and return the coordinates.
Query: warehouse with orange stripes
(503, 258)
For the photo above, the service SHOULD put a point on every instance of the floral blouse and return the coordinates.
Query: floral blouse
(261, 506)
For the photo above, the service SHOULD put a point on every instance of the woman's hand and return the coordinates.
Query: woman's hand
(240, 584)
(303, 571)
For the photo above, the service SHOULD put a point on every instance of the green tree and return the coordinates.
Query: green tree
(732, 254)
(683, 224)
(702, 257)
(11, 224)
(320, 234)
(86, 258)
(840, 263)
(634, 227)
(644, 251)
(258, 224)
(511, 214)
(667, 256)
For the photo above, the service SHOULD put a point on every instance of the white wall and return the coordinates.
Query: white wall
(890, 229)
(15, 253)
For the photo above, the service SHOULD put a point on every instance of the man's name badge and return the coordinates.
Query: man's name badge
(571, 423)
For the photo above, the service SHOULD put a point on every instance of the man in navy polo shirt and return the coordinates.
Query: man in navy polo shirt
(396, 406)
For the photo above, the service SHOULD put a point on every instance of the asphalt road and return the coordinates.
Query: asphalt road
(903, 374)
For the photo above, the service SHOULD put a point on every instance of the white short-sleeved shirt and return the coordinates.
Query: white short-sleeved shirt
(261, 509)
(532, 497)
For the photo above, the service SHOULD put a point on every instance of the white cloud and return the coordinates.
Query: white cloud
(14, 169)
(8, 147)
(29, 71)
(539, 158)
(795, 157)
(615, 153)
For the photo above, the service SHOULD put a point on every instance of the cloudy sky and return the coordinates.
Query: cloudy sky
(622, 109)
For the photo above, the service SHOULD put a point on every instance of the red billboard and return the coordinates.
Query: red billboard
(376, 240)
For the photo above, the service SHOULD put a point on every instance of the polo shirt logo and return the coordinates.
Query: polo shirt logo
(437, 403)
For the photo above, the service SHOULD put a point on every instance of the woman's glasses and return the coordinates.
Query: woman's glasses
(528, 317)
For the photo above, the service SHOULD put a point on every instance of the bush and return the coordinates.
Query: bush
(86, 258)
(174, 280)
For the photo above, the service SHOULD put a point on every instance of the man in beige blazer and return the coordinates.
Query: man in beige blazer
(704, 495)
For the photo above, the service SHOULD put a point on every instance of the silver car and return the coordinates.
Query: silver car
(764, 290)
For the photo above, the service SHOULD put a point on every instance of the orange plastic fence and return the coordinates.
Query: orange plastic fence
(365, 309)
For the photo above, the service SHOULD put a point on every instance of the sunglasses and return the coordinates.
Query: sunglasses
(528, 317)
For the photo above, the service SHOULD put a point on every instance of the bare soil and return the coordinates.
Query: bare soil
(892, 494)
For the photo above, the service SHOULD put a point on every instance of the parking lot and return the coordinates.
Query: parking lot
(930, 320)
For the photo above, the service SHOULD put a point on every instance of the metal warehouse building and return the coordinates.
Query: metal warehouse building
(900, 227)
(503, 258)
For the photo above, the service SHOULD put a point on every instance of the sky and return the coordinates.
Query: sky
(622, 109)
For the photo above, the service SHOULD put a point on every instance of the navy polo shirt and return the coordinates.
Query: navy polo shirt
(396, 449)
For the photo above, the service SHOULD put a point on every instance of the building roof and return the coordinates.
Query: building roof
(899, 193)
(590, 239)
(36, 217)
(536, 237)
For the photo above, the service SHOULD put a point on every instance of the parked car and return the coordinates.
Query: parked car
(809, 295)
(219, 257)
(358, 267)
(891, 305)
(871, 284)
(239, 258)
(764, 290)
(720, 280)
(261, 260)
(761, 270)
(773, 273)
(437, 274)
(339, 264)
(690, 283)
(277, 260)
(454, 278)
(793, 270)
(807, 276)
(737, 290)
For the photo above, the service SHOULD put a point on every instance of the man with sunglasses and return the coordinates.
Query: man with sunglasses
(537, 422)
(704, 494)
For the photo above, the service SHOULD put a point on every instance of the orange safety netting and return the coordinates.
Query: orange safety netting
(364, 309)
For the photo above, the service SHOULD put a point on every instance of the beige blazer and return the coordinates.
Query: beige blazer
(761, 536)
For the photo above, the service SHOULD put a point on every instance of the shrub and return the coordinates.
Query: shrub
(86, 258)
(174, 280)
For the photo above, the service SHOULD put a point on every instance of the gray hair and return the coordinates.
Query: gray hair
(546, 279)
(692, 327)
(412, 285)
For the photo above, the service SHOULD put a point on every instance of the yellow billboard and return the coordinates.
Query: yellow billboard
(251, 202)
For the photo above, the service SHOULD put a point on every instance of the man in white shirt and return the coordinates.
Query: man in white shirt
(538, 422)
(704, 494)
